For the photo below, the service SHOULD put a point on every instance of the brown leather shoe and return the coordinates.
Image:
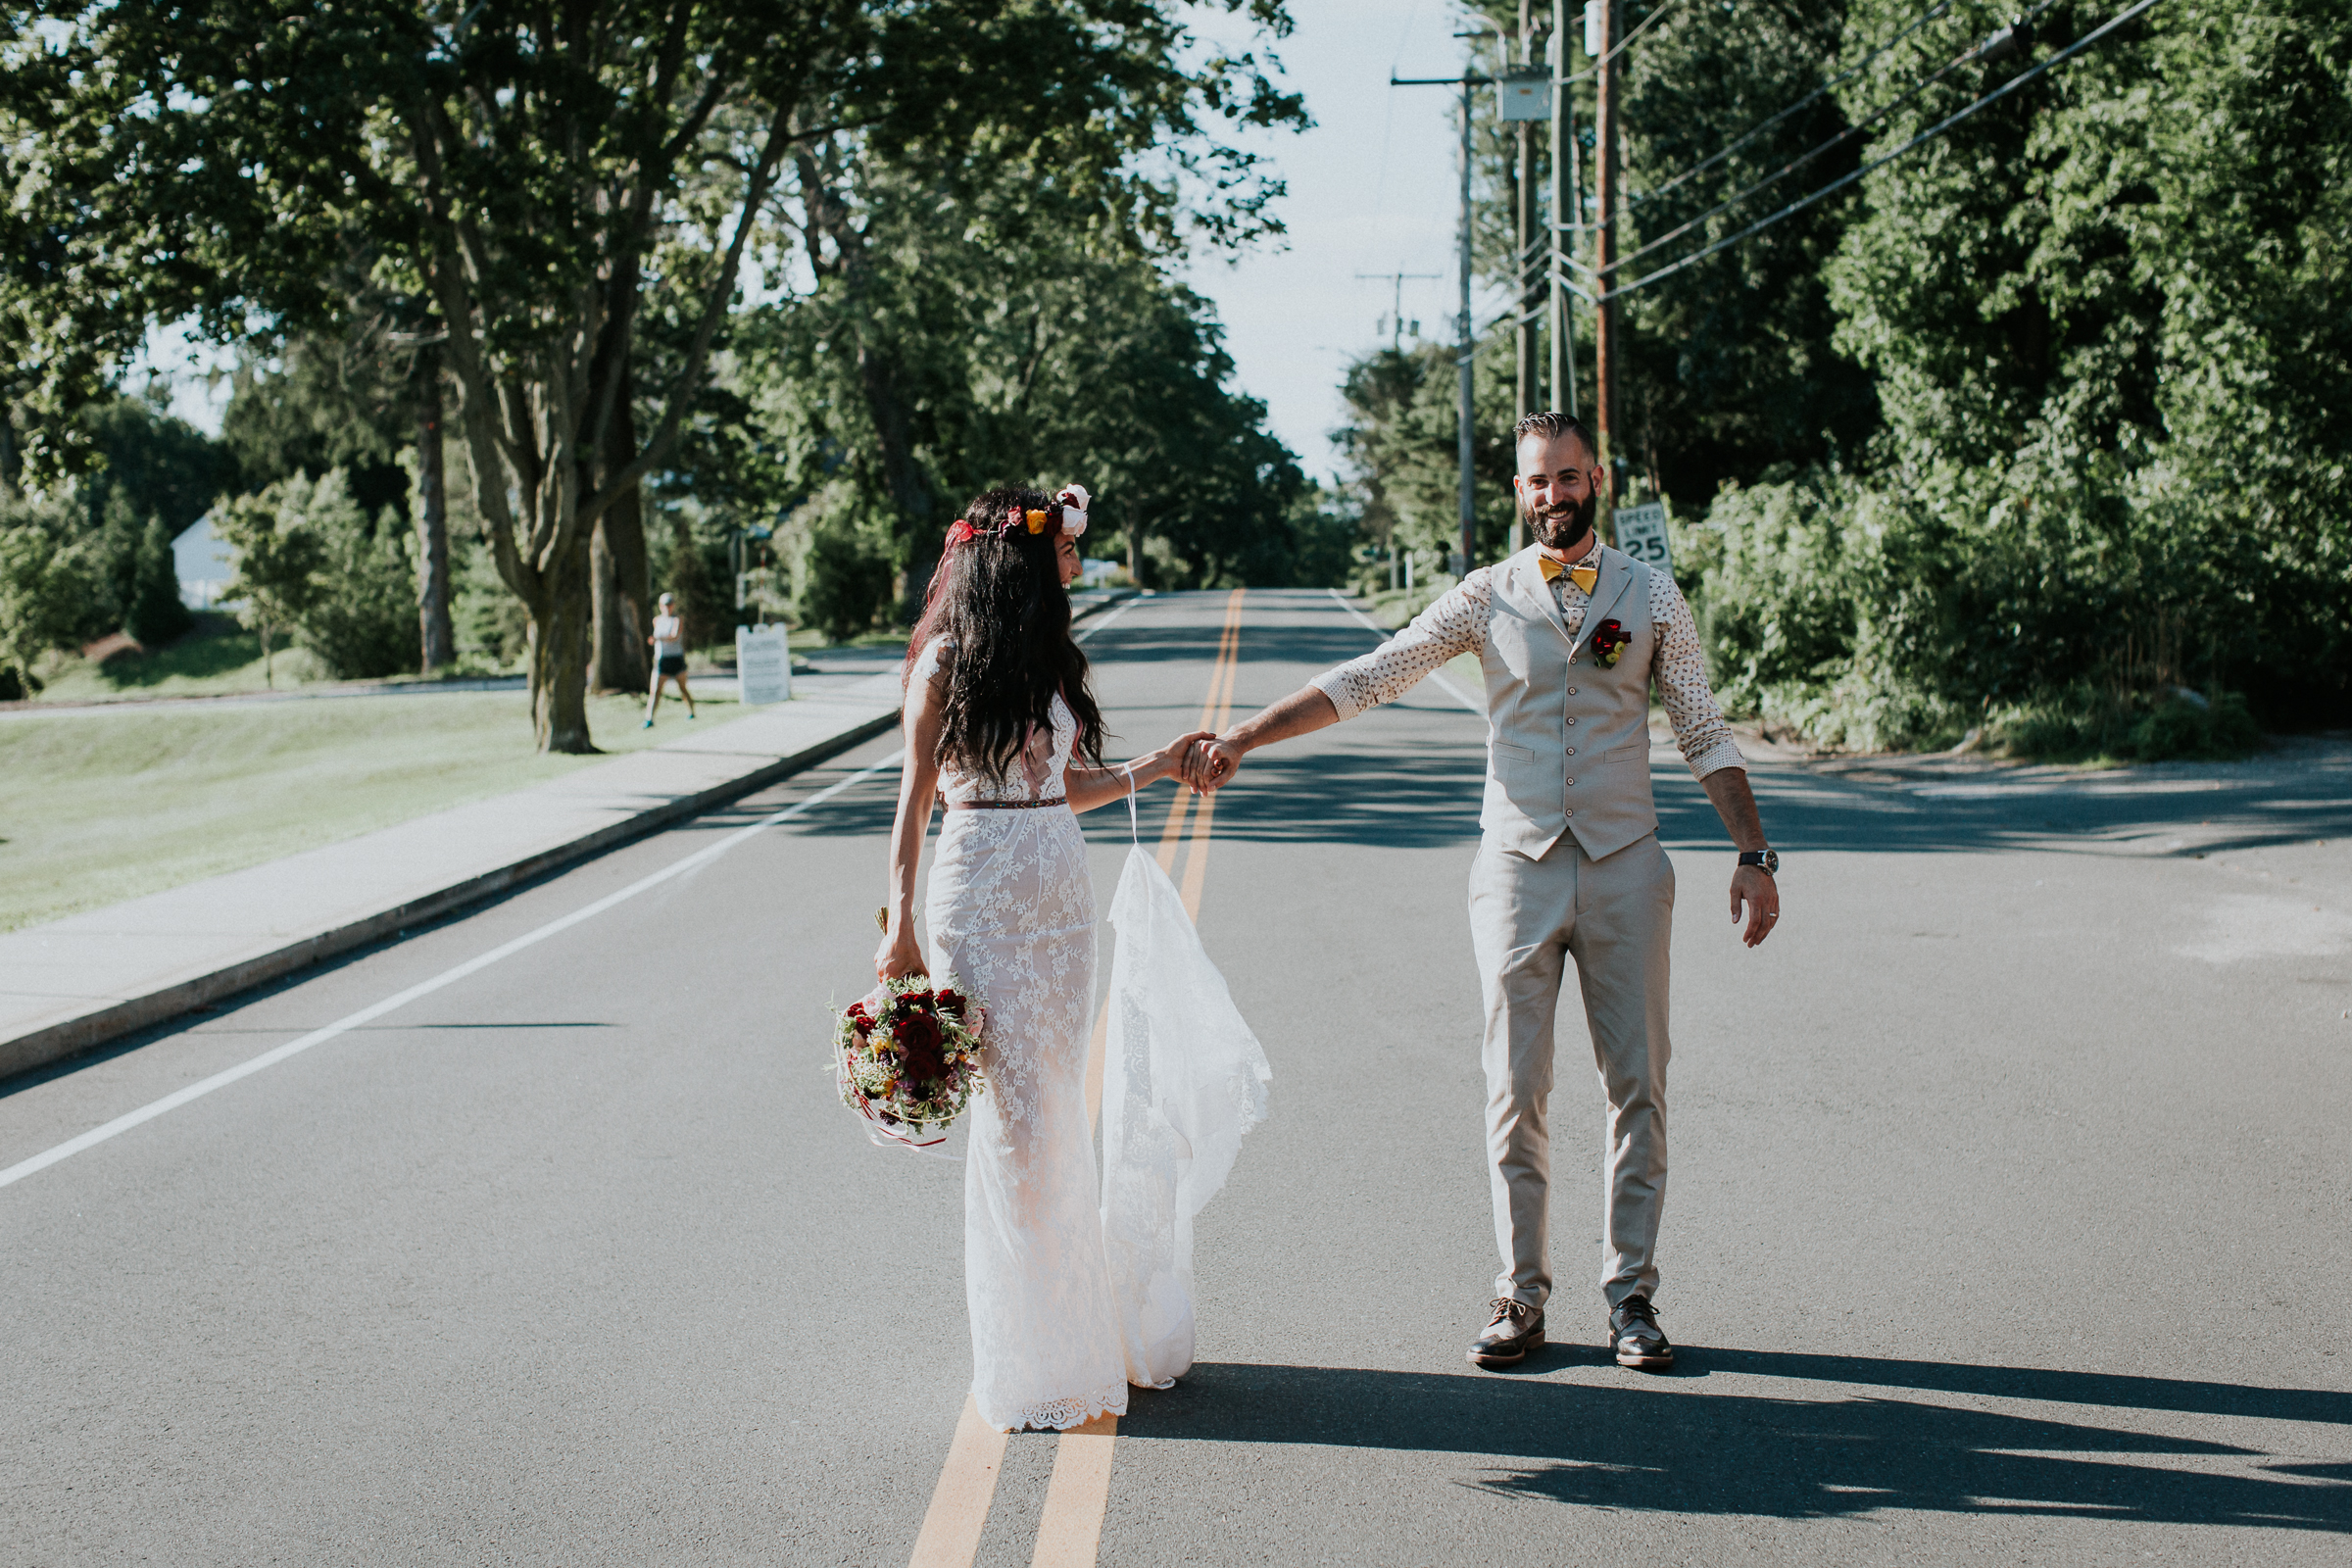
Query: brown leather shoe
(1636, 1339)
(1515, 1329)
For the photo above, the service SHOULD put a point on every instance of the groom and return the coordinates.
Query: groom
(1572, 636)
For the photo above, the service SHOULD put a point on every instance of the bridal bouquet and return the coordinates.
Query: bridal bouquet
(908, 1058)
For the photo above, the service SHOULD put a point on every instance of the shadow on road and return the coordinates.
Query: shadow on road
(1651, 1446)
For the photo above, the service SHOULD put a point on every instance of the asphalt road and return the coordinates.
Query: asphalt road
(2008, 1212)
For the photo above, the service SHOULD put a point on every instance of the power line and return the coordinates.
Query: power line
(1975, 51)
(1761, 126)
(1932, 131)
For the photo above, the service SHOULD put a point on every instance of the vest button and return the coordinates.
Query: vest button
(1571, 811)
(1571, 783)
(1572, 722)
(1571, 751)
(1572, 691)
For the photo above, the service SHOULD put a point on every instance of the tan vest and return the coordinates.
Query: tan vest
(1568, 749)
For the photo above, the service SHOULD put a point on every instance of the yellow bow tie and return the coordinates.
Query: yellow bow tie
(1582, 576)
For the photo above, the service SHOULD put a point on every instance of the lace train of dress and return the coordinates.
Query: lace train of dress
(1012, 913)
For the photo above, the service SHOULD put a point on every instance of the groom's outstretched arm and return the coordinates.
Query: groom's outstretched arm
(1455, 623)
(1211, 762)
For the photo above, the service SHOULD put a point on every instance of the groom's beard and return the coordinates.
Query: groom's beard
(1566, 527)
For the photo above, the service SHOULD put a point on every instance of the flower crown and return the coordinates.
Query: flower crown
(1071, 504)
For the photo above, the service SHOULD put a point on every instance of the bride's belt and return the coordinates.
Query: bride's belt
(1005, 806)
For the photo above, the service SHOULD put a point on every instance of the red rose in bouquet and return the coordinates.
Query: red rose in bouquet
(906, 1056)
(1609, 642)
(921, 1059)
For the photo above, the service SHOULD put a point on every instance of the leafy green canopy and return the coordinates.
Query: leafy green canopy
(1727, 368)
(2108, 319)
(311, 566)
(552, 183)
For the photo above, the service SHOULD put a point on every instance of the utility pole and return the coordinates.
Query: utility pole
(1396, 310)
(1530, 392)
(1564, 156)
(1468, 349)
(1605, 258)
(1466, 345)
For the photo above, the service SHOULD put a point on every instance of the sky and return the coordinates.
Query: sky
(1373, 188)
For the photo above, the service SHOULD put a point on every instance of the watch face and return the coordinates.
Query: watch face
(1772, 861)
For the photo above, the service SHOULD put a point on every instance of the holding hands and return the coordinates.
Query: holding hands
(1209, 762)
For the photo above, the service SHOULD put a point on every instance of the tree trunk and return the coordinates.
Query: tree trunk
(438, 643)
(910, 487)
(622, 591)
(879, 379)
(1135, 546)
(560, 657)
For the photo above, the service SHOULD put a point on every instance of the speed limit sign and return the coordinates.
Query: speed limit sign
(1641, 534)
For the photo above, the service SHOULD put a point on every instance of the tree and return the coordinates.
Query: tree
(43, 585)
(1401, 442)
(972, 283)
(552, 181)
(278, 565)
(140, 468)
(313, 566)
(155, 615)
(966, 317)
(2106, 317)
(1727, 367)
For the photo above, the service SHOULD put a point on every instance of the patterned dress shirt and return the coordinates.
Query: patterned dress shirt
(1456, 624)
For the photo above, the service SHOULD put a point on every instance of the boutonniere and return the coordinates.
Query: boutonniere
(1608, 643)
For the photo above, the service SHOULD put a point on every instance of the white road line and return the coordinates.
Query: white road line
(269, 1059)
(1107, 616)
(1437, 675)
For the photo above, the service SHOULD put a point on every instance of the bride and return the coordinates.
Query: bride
(997, 714)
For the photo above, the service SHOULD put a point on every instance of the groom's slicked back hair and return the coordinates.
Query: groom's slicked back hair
(1551, 424)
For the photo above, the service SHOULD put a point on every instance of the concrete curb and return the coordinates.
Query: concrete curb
(41, 1046)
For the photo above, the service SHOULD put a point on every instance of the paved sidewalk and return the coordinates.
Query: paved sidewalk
(86, 979)
(75, 982)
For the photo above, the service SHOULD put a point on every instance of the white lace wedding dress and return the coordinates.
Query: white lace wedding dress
(1011, 915)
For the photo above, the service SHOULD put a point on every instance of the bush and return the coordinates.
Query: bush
(492, 628)
(365, 624)
(2060, 604)
(2088, 725)
(47, 585)
(310, 565)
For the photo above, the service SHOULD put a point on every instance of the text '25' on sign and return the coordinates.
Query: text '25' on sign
(1641, 534)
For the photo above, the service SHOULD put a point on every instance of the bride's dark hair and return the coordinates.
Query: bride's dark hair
(998, 596)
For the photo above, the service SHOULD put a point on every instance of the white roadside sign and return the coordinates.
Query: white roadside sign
(1641, 534)
(762, 665)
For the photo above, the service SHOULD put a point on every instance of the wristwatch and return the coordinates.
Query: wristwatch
(1769, 859)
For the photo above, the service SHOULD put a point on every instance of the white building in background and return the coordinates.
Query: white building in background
(203, 562)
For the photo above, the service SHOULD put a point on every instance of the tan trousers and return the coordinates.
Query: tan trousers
(1615, 918)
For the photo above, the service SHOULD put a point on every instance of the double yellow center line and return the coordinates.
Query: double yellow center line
(1069, 1532)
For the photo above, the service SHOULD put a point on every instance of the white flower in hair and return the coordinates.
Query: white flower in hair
(1074, 502)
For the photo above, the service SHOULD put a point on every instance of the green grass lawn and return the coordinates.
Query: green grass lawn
(98, 808)
(222, 658)
(219, 659)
